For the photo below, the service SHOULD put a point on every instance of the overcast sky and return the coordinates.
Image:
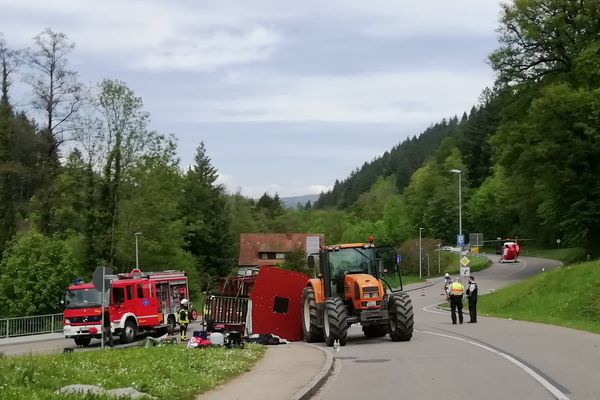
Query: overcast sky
(288, 96)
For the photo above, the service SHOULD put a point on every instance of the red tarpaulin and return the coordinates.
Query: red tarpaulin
(276, 306)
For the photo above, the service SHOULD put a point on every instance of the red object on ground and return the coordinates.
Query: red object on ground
(276, 303)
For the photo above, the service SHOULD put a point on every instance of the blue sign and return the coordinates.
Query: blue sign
(398, 259)
(460, 240)
(145, 302)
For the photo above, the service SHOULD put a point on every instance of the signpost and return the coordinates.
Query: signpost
(460, 240)
(101, 283)
(465, 271)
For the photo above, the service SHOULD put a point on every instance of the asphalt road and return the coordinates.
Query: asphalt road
(493, 359)
(52, 343)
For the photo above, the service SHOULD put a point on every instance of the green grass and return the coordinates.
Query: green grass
(566, 256)
(164, 372)
(568, 296)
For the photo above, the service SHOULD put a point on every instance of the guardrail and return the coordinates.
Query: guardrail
(31, 325)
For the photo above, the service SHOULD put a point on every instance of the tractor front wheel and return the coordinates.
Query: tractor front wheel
(335, 322)
(401, 317)
(310, 328)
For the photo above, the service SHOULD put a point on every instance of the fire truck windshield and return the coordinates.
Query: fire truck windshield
(351, 260)
(82, 298)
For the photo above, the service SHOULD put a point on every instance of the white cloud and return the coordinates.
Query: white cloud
(402, 97)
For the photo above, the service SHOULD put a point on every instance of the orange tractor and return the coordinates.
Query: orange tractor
(355, 283)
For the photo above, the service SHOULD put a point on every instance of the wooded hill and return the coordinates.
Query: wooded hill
(529, 152)
(82, 171)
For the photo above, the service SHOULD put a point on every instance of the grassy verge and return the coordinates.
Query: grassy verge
(567, 296)
(566, 256)
(162, 372)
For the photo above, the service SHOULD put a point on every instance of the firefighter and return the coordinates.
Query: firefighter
(472, 297)
(183, 318)
(456, 291)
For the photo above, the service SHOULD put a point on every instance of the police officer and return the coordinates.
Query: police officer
(472, 297)
(183, 318)
(455, 291)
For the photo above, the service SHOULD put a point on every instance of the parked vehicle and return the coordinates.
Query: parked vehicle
(136, 301)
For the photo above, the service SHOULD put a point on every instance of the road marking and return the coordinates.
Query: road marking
(540, 379)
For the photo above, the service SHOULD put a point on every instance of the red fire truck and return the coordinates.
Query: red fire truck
(136, 301)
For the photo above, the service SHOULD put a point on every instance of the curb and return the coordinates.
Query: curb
(318, 380)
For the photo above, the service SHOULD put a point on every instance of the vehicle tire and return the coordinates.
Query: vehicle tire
(312, 332)
(401, 317)
(82, 341)
(374, 331)
(172, 324)
(335, 322)
(129, 331)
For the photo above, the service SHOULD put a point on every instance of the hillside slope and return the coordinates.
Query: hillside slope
(568, 296)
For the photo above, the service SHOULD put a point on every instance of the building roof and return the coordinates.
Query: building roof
(251, 244)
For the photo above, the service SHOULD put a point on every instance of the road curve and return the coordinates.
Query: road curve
(493, 359)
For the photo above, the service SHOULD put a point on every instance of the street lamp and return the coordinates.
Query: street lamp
(459, 173)
(137, 257)
(420, 256)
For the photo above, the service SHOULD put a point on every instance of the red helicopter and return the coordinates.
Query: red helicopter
(508, 249)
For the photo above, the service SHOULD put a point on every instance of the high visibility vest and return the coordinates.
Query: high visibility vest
(184, 316)
(456, 289)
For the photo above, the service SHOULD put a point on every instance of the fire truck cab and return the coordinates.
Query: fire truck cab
(136, 302)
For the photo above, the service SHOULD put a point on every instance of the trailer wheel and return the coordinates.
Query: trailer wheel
(335, 324)
(82, 341)
(401, 317)
(129, 331)
(312, 332)
(374, 331)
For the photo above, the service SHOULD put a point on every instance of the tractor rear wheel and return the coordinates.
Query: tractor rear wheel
(335, 322)
(373, 331)
(310, 328)
(401, 317)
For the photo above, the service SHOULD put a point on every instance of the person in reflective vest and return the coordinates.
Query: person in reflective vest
(472, 297)
(455, 292)
(183, 318)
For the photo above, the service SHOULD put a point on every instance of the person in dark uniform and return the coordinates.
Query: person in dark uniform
(472, 297)
(108, 339)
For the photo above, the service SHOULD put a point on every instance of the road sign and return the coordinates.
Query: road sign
(460, 240)
(99, 273)
(474, 249)
(398, 259)
(465, 261)
(465, 271)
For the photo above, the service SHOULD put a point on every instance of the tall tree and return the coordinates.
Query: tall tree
(57, 95)
(208, 225)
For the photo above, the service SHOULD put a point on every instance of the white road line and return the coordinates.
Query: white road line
(541, 380)
(427, 309)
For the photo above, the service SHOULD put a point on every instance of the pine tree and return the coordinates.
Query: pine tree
(208, 234)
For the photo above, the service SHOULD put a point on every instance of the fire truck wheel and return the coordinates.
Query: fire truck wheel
(172, 324)
(335, 322)
(312, 332)
(401, 317)
(373, 331)
(83, 341)
(129, 331)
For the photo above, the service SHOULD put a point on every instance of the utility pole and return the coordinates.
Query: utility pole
(459, 173)
(420, 256)
(427, 264)
(137, 256)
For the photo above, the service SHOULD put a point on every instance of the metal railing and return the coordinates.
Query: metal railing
(31, 325)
